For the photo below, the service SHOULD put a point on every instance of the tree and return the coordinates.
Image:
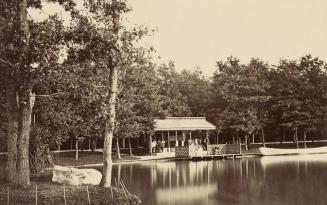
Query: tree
(22, 70)
(238, 93)
(195, 87)
(297, 90)
(173, 102)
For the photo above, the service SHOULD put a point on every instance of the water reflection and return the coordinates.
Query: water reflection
(242, 181)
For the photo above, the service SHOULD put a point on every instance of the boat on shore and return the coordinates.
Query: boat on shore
(267, 151)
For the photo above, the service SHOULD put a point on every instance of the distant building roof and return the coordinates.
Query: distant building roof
(183, 123)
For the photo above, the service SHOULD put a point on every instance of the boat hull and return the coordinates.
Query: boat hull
(266, 151)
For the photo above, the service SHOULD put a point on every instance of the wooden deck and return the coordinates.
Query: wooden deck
(204, 157)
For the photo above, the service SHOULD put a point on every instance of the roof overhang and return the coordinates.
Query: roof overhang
(183, 124)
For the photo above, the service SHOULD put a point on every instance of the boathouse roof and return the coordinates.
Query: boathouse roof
(183, 123)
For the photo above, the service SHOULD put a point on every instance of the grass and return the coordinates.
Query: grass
(86, 157)
(53, 194)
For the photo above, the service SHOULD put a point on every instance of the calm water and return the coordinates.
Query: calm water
(267, 180)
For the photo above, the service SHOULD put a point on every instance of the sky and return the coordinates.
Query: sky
(200, 33)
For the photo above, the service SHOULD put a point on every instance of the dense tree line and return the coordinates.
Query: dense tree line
(286, 100)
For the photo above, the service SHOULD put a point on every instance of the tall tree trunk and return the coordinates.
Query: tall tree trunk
(296, 138)
(118, 149)
(150, 145)
(137, 142)
(130, 146)
(305, 139)
(283, 138)
(263, 137)
(93, 145)
(76, 149)
(26, 105)
(110, 121)
(217, 136)
(12, 115)
(109, 130)
(25, 92)
(19, 98)
(7, 44)
(246, 142)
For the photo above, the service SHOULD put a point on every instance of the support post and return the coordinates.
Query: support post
(176, 144)
(168, 142)
(183, 134)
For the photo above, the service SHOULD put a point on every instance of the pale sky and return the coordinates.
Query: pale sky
(201, 32)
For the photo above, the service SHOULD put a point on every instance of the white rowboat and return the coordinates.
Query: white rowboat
(266, 151)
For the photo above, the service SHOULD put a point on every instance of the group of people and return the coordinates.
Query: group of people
(199, 145)
(158, 146)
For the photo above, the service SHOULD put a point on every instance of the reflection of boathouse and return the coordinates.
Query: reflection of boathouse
(179, 131)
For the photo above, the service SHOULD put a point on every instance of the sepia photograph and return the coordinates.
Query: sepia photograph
(163, 102)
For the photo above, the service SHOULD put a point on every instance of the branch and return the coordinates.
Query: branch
(50, 95)
(12, 65)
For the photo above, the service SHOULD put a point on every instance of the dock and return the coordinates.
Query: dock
(208, 157)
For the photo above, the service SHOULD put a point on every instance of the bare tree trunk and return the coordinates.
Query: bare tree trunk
(92, 145)
(283, 138)
(76, 149)
(110, 121)
(118, 149)
(263, 137)
(150, 145)
(246, 142)
(12, 115)
(19, 97)
(305, 139)
(137, 142)
(296, 138)
(130, 146)
(217, 136)
(23, 168)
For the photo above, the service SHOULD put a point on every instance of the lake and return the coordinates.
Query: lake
(261, 180)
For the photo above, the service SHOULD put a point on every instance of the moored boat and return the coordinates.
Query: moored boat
(267, 151)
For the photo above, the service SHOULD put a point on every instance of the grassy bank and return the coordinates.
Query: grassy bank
(86, 157)
(54, 194)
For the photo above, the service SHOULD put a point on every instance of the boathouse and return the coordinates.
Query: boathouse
(188, 137)
(174, 132)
